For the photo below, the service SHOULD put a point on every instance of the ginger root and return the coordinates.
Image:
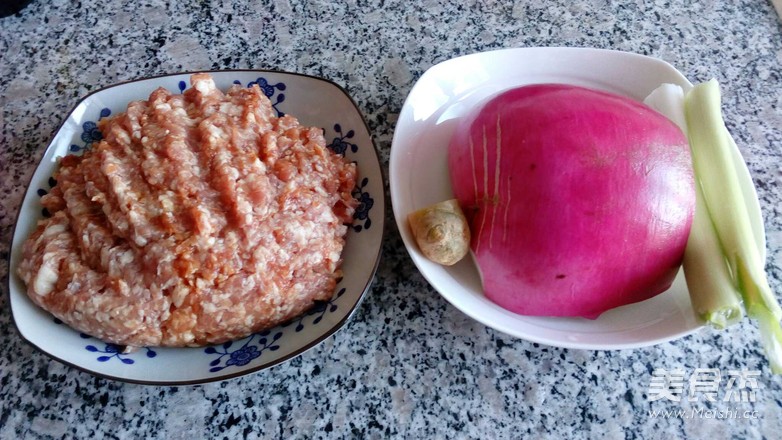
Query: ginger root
(441, 232)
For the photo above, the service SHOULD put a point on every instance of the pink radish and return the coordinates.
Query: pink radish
(578, 200)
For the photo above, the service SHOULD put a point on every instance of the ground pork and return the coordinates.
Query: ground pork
(199, 218)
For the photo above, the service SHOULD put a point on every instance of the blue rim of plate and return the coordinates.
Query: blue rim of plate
(317, 341)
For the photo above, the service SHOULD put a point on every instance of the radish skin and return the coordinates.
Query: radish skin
(579, 201)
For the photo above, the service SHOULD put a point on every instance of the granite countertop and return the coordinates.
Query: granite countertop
(408, 364)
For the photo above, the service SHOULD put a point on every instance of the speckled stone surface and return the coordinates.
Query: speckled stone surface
(408, 365)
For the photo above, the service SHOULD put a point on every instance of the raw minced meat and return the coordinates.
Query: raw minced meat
(199, 218)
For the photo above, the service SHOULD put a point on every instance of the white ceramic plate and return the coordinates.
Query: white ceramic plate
(419, 177)
(315, 102)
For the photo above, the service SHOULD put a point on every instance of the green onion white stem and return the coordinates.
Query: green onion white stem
(714, 296)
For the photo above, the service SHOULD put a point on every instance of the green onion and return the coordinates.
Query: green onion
(711, 146)
(714, 296)
(713, 293)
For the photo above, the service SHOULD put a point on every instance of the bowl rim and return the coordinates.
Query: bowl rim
(223, 377)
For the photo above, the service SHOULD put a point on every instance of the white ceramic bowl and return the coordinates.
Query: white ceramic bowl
(315, 102)
(418, 177)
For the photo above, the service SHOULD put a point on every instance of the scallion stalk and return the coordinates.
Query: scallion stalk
(711, 146)
(713, 293)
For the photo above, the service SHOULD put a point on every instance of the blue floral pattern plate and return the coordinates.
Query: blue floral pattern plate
(315, 102)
